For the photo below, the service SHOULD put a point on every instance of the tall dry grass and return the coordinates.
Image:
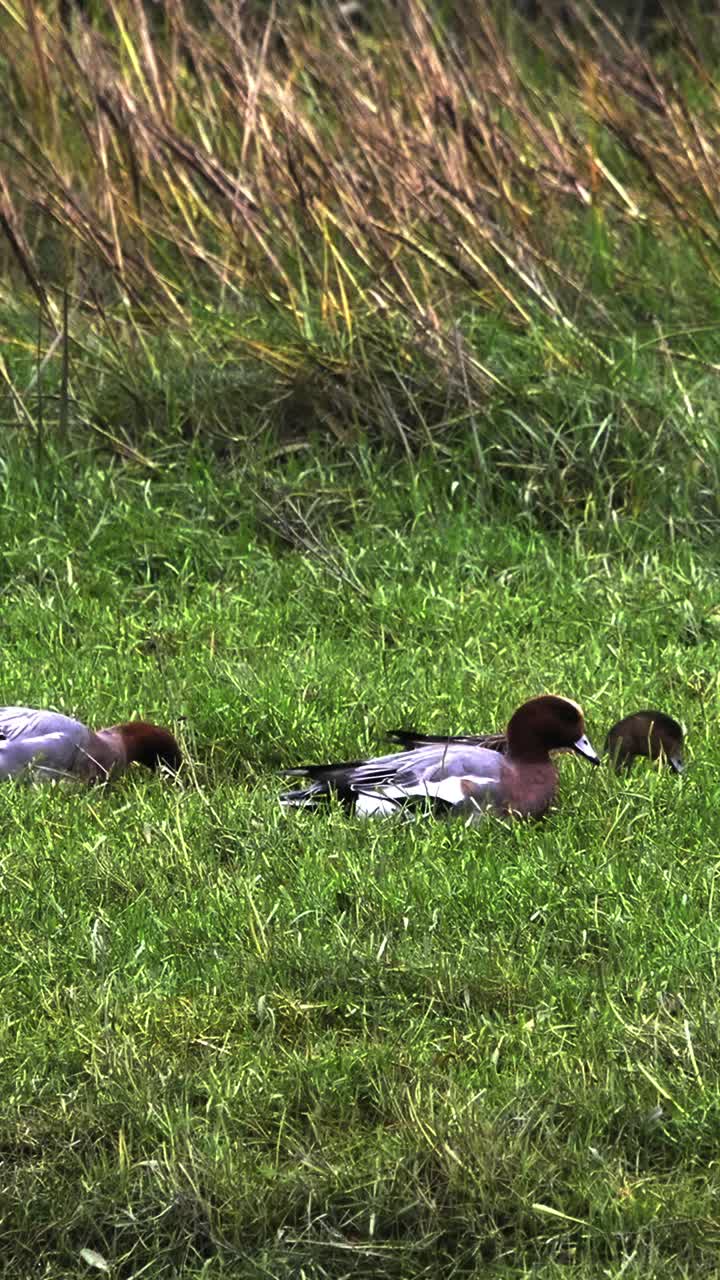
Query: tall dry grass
(388, 219)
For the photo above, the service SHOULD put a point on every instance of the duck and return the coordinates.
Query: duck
(646, 733)
(57, 746)
(643, 733)
(458, 776)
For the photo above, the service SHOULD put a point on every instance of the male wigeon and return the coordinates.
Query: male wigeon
(58, 746)
(459, 777)
(644, 733)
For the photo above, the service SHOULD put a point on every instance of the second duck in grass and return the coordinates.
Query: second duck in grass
(57, 746)
(651, 734)
(646, 733)
(458, 775)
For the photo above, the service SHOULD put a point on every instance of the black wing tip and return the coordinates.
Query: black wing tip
(402, 735)
(322, 772)
(409, 738)
(301, 799)
(318, 797)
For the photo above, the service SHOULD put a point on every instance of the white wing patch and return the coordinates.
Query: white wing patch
(471, 795)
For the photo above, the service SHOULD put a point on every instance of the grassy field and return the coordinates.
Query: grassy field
(353, 378)
(241, 1043)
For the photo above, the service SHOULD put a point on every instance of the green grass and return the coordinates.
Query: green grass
(241, 1043)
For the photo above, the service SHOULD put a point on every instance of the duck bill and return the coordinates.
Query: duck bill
(675, 763)
(584, 747)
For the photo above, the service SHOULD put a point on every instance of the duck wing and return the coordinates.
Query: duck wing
(400, 775)
(28, 736)
(51, 750)
(17, 722)
(432, 761)
(449, 796)
(410, 738)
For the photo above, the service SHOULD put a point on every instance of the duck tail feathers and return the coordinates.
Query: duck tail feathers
(323, 772)
(304, 798)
